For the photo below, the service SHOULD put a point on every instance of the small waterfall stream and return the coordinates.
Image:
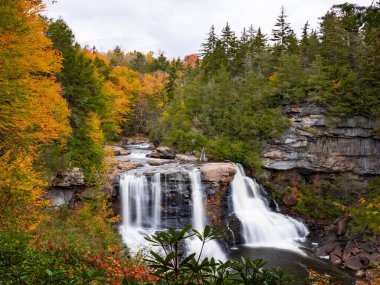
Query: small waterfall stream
(212, 248)
(261, 226)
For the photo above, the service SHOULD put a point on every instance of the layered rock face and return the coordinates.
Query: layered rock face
(314, 144)
(176, 190)
(217, 178)
(65, 185)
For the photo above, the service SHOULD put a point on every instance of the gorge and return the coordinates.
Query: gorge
(178, 193)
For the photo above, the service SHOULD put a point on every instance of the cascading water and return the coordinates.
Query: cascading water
(156, 189)
(261, 226)
(141, 202)
(212, 248)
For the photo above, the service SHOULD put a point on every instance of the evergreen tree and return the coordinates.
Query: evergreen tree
(282, 35)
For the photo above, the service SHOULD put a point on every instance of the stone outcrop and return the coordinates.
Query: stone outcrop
(163, 152)
(186, 158)
(118, 166)
(155, 162)
(65, 186)
(217, 178)
(312, 143)
(176, 190)
(136, 140)
(69, 178)
(120, 151)
(352, 251)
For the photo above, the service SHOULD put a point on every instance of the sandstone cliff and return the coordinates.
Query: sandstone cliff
(315, 144)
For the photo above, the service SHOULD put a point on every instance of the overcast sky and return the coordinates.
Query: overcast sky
(177, 27)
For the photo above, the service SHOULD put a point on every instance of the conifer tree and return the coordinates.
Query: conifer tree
(282, 35)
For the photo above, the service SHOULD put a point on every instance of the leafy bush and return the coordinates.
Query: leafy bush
(235, 150)
(177, 268)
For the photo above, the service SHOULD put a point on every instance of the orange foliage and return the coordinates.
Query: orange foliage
(153, 83)
(32, 110)
(117, 267)
(96, 56)
(191, 60)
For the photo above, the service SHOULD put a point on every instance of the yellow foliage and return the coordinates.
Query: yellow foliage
(149, 57)
(153, 83)
(21, 192)
(94, 130)
(94, 56)
(273, 78)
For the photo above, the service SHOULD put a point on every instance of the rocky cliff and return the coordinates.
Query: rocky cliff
(176, 190)
(316, 144)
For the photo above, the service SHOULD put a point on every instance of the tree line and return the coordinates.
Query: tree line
(232, 101)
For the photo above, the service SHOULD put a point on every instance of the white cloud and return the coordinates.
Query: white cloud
(176, 26)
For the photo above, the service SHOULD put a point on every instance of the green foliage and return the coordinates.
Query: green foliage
(177, 268)
(317, 203)
(22, 264)
(366, 210)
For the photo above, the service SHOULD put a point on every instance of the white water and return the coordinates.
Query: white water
(211, 248)
(137, 220)
(261, 226)
(156, 189)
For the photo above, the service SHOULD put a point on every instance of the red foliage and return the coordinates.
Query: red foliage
(191, 60)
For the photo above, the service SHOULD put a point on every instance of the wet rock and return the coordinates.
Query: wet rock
(236, 230)
(163, 152)
(217, 178)
(187, 158)
(353, 263)
(120, 151)
(155, 162)
(117, 167)
(336, 260)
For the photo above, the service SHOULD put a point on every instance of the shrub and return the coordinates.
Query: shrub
(177, 268)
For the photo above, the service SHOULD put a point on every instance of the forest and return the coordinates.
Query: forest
(63, 104)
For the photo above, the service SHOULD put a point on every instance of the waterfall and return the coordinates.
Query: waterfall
(141, 207)
(211, 248)
(261, 226)
(156, 189)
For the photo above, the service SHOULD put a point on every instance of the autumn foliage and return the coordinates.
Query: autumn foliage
(33, 113)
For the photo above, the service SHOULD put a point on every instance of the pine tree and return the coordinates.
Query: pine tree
(283, 36)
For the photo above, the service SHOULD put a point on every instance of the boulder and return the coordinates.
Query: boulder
(118, 166)
(186, 158)
(120, 151)
(353, 263)
(163, 152)
(72, 178)
(154, 162)
(135, 140)
(336, 260)
(219, 173)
